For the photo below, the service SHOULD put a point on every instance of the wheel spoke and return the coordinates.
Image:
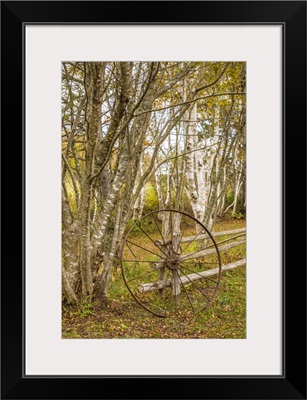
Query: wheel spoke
(143, 248)
(195, 252)
(195, 285)
(196, 236)
(131, 250)
(186, 292)
(204, 277)
(182, 235)
(171, 224)
(226, 240)
(153, 284)
(143, 261)
(199, 262)
(139, 226)
(157, 225)
(146, 273)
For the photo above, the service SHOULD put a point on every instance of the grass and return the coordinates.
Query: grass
(122, 317)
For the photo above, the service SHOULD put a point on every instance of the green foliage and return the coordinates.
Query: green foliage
(239, 216)
(82, 309)
(145, 224)
(229, 197)
(241, 211)
(71, 334)
(85, 309)
(117, 289)
(151, 199)
(224, 300)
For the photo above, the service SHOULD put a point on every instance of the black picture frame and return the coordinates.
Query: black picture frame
(292, 16)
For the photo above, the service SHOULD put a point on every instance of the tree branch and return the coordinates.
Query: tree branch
(212, 83)
(191, 101)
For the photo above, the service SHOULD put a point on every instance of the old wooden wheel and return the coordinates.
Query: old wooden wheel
(170, 262)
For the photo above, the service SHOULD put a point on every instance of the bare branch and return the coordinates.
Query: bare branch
(191, 101)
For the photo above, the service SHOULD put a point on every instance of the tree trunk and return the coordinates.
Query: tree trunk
(94, 90)
(70, 265)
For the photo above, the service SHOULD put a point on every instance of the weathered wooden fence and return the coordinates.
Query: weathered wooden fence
(147, 287)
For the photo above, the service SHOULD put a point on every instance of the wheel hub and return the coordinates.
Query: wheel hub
(173, 262)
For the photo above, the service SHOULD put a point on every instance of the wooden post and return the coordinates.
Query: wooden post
(175, 280)
(175, 287)
(162, 276)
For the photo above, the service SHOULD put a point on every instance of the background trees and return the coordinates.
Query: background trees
(141, 135)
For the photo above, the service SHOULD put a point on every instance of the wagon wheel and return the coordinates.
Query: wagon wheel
(170, 261)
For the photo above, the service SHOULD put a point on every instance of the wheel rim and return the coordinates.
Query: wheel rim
(165, 264)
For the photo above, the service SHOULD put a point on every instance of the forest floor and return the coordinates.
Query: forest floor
(122, 318)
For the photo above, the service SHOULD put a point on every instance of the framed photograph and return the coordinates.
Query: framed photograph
(162, 149)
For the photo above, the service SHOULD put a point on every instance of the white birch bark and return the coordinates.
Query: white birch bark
(237, 187)
(213, 169)
(158, 185)
(70, 265)
(103, 281)
(191, 166)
